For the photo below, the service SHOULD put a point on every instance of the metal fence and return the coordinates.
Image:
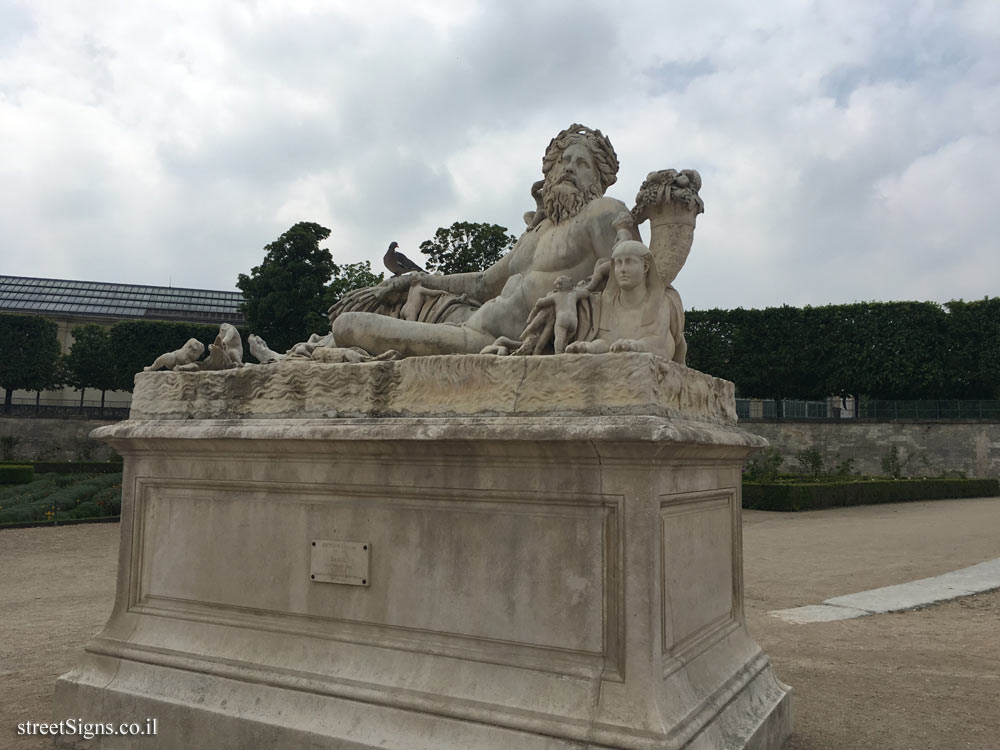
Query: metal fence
(89, 410)
(872, 409)
(834, 408)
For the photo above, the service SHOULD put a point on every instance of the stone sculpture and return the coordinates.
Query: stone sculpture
(669, 200)
(530, 304)
(225, 353)
(316, 349)
(186, 354)
(465, 551)
(303, 350)
(554, 316)
(570, 231)
(634, 312)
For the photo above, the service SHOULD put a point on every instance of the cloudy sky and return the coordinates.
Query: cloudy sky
(848, 150)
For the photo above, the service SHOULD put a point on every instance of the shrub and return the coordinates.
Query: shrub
(891, 465)
(8, 444)
(764, 466)
(843, 469)
(789, 496)
(810, 461)
(13, 474)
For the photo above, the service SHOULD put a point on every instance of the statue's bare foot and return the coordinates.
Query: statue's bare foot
(527, 347)
(502, 347)
(627, 345)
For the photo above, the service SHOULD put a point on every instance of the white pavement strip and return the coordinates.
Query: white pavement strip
(973, 580)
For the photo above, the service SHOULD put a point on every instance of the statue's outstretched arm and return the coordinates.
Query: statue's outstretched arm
(478, 285)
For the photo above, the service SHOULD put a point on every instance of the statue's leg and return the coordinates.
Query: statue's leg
(380, 333)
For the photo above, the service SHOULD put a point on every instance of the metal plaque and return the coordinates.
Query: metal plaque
(341, 562)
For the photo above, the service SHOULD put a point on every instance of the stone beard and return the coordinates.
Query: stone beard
(565, 199)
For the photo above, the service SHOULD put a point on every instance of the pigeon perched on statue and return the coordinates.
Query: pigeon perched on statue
(398, 263)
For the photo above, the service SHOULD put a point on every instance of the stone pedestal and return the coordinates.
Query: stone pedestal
(552, 577)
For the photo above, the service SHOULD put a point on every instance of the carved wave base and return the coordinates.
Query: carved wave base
(446, 385)
(530, 582)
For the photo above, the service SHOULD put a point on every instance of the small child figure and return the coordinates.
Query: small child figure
(554, 314)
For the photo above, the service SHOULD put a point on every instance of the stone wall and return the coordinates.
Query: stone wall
(30, 439)
(926, 448)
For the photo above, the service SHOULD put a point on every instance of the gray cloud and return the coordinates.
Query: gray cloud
(849, 151)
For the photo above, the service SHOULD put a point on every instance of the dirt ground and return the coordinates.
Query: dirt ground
(920, 680)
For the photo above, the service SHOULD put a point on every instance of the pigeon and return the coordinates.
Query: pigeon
(398, 263)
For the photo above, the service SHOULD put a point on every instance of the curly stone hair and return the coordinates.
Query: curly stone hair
(605, 158)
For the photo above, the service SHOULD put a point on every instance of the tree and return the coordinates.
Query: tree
(284, 297)
(465, 246)
(90, 363)
(29, 355)
(349, 277)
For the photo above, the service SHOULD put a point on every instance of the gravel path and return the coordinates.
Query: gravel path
(925, 679)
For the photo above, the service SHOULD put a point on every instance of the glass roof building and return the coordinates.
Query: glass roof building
(94, 300)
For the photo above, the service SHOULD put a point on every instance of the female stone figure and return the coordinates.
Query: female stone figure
(633, 313)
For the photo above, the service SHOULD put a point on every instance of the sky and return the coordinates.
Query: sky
(849, 151)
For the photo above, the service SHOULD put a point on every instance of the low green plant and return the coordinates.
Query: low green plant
(810, 461)
(61, 497)
(764, 466)
(843, 469)
(8, 444)
(85, 451)
(891, 465)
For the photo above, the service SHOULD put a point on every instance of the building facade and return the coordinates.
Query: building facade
(71, 303)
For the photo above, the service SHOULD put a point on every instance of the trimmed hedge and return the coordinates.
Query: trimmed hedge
(77, 467)
(786, 496)
(16, 474)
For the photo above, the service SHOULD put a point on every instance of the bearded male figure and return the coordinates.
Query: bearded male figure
(569, 233)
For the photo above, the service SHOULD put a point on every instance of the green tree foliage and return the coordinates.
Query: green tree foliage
(973, 331)
(348, 277)
(29, 354)
(890, 350)
(136, 343)
(90, 363)
(465, 246)
(285, 296)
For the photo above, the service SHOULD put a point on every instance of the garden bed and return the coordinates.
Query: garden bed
(61, 498)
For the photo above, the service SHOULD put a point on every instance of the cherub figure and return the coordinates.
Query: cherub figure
(553, 317)
(183, 356)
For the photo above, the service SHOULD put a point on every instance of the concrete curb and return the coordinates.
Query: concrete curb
(972, 580)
